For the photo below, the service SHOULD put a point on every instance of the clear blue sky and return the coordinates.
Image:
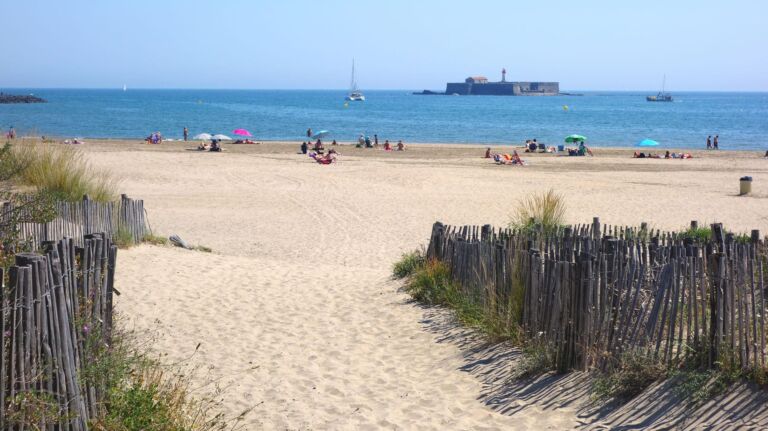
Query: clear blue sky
(398, 44)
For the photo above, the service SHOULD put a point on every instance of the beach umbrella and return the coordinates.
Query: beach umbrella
(321, 134)
(647, 143)
(221, 137)
(203, 136)
(575, 138)
(241, 132)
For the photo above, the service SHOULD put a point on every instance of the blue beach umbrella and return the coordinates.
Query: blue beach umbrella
(647, 143)
(321, 134)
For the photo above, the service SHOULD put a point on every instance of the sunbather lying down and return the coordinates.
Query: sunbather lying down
(324, 159)
(509, 159)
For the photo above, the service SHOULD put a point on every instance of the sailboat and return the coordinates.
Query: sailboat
(354, 94)
(125, 87)
(662, 96)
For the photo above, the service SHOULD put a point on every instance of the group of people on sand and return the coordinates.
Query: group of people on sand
(667, 155)
(365, 142)
(505, 159)
(215, 146)
(325, 159)
(154, 138)
(713, 144)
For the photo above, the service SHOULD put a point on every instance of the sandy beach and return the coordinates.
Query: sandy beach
(295, 311)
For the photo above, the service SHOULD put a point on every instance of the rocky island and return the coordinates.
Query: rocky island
(15, 98)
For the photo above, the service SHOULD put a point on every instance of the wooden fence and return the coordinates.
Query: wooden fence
(77, 219)
(590, 295)
(54, 307)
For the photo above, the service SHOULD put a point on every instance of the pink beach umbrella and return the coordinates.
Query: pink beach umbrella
(241, 132)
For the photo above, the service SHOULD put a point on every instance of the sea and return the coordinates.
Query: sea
(616, 119)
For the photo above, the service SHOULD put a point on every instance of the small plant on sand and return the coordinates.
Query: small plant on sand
(141, 393)
(697, 234)
(408, 264)
(203, 248)
(63, 172)
(633, 375)
(540, 210)
(123, 238)
(537, 358)
(153, 239)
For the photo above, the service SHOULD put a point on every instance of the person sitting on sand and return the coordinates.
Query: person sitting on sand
(368, 142)
(531, 147)
(766, 154)
(334, 142)
(400, 146)
(319, 147)
(387, 146)
(215, 146)
(202, 147)
(304, 147)
(488, 153)
(360, 141)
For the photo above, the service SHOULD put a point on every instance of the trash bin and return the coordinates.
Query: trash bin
(745, 185)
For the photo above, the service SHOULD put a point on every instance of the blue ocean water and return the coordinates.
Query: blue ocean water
(606, 118)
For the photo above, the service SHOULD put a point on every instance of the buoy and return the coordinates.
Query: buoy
(565, 107)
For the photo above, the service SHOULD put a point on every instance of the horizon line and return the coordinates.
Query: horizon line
(118, 88)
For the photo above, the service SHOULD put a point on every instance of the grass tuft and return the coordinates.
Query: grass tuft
(408, 264)
(153, 239)
(635, 373)
(542, 210)
(123, 238)
(63, 172)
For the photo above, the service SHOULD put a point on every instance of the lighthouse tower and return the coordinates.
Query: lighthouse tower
(504, 75)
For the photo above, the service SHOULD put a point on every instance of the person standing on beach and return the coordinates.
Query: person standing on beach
(709, 142)
(716, 144)
(11, 133)
(309, 133)
(375, 140)
(186, 133)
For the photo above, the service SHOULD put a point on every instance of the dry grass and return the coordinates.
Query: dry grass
(63, 172)
(542, 209)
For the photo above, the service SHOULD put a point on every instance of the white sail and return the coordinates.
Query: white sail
(354, 92)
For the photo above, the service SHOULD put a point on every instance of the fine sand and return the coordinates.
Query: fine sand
(295, 313)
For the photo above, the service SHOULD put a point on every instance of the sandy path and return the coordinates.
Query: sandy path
(295, 310)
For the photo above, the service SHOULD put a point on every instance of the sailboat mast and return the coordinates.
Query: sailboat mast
(352, 84)
(663, 83)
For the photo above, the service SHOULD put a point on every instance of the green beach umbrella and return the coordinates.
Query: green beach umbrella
(575, 138)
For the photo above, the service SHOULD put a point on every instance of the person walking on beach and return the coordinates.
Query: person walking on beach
(709, 142)
(716, 144)
(186, 133)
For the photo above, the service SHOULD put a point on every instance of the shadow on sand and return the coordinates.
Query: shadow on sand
(744, 406)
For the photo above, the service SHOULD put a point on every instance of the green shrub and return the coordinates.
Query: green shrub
(543, 210)
(700, 234)
(537, 358)
(634, 374)
(408, 264)
(62, 171)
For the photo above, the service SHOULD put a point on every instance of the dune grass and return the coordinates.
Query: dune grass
(62, 171)
(543, 210)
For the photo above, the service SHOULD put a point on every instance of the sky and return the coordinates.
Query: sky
(706, 45)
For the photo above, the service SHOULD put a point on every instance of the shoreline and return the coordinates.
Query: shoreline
(598, 150)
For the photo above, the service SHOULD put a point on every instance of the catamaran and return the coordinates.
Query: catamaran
(662, 96)
(354, 93)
